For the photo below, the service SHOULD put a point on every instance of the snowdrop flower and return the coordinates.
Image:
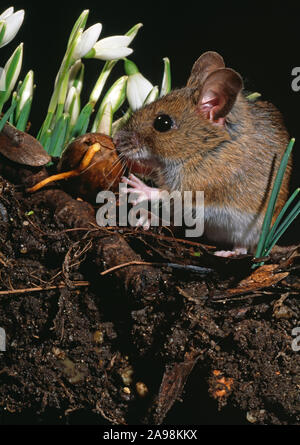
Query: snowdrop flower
(152, 96)
(105, 123)
(10, 24)
(138, 87)
(72, 105)
(116, 94)
(115, 97)
(86, 41)
(11, 72)
(76, 76)
(26, 91)
(111, 48)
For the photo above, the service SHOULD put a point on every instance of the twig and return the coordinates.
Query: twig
(39, 289)
(197, 269)
(170, 238)
(121, 266)
(63, 232)
(241, 298)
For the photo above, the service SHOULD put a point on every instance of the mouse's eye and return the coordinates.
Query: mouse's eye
(163, 122)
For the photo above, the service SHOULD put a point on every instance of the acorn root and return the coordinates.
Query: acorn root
(86, 160)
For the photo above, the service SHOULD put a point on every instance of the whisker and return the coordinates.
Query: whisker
(113, 181)
(115, 164)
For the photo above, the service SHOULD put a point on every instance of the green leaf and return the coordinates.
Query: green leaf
(253, 97)
(133, 31)
(7, 115)
(45, 127)
(279, 218)
(24, 115)
(83, 120)
(2, 32)
(14, 100)
(21, 91)
(283, 227)
(166, 82)
(47, 140)
(58, 136)
(273, 198)
(12, 69)
(79, 24)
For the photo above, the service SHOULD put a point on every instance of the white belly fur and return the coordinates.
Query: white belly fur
(228, 225)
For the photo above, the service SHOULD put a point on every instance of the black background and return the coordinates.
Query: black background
(260, 41)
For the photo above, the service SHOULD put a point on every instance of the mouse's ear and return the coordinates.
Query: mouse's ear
(206, 64)
(218, 94)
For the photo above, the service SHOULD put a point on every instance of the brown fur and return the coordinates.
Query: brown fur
(235, 163)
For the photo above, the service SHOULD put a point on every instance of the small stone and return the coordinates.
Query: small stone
(98, 337)
(250, 417)
(282, 312)
(126, 375)
(141, 389)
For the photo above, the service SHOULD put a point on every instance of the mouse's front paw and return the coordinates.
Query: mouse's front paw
(142, 191)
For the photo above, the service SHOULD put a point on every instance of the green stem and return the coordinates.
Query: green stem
(62, 73)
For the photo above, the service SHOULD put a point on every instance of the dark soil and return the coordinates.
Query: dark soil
(145, 343)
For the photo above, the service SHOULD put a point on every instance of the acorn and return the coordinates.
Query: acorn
(90, 164)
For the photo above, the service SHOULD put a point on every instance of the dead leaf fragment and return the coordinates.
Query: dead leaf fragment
(22, 148)
(262, 277)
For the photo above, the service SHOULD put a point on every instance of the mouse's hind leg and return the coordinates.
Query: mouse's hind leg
(228, 253)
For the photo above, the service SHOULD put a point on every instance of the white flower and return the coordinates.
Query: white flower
(26, 91)
(116, 94)
(111, 48)
(152, 96)
(72, 105)
(76, 76)
(138, 89)
(13, 67)
(86, 41)
(11, 22)
(115, 97)
(105, 124)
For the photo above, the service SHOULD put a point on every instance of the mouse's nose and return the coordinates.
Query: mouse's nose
(120, 140)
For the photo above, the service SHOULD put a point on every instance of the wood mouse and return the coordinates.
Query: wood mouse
(209, 137)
